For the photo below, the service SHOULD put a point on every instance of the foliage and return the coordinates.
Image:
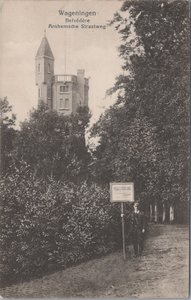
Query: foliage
(146, 131)
(53, 144)
(7, 133)
(125, 148)
(46, 224)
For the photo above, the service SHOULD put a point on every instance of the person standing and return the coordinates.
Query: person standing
(138, 223)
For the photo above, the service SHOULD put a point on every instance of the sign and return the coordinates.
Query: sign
(121, 192)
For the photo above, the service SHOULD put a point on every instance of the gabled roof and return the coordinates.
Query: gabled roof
(44, 49)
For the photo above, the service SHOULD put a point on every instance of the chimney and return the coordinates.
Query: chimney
(81, 73)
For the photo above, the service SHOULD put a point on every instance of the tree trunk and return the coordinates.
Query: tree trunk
(156, 214)
(163, 213)
(171, 213)
(151, 212)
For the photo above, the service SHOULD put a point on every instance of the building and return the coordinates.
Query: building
(63, 93)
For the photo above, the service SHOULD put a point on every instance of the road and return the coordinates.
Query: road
(162, 272)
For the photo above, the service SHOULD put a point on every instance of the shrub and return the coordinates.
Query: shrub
(47, 225)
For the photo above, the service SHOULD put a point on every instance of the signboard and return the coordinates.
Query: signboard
(121, 192)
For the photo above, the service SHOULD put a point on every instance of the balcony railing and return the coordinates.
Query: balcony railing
(65, 78)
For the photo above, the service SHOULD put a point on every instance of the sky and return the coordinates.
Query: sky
(22, 25)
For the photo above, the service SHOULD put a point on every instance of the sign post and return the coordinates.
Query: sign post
(122, 192)
(123, 230)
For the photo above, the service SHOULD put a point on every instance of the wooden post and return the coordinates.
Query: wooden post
(123, 230)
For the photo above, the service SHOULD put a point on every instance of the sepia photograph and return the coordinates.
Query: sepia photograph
(95, 149)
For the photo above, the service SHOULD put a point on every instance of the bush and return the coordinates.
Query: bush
(47, 225)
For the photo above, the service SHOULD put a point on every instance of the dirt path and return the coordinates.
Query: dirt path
(162, 272)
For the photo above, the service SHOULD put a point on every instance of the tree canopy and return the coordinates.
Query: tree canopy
(144, 137)
(54, 145)
(7, 134)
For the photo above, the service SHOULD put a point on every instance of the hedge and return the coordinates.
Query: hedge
(47, 225)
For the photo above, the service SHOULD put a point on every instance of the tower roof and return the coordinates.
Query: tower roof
(44, 49)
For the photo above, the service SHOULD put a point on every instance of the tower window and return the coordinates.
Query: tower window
(49, 92)
(39, 92)
(48, 68)
(66, 103)
(61, 103)
(64, 88)
(38, 67)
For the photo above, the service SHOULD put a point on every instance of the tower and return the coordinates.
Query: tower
(63, 93)
(44, 70)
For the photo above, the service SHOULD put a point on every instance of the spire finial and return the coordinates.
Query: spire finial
(45, 32)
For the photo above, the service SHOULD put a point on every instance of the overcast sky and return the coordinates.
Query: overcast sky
(22, 25)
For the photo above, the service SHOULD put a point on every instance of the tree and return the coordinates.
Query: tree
(7, 134)
(54, 145)
(154, 89)
(127, 151)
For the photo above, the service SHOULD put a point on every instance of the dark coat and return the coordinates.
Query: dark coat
(138, 223)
